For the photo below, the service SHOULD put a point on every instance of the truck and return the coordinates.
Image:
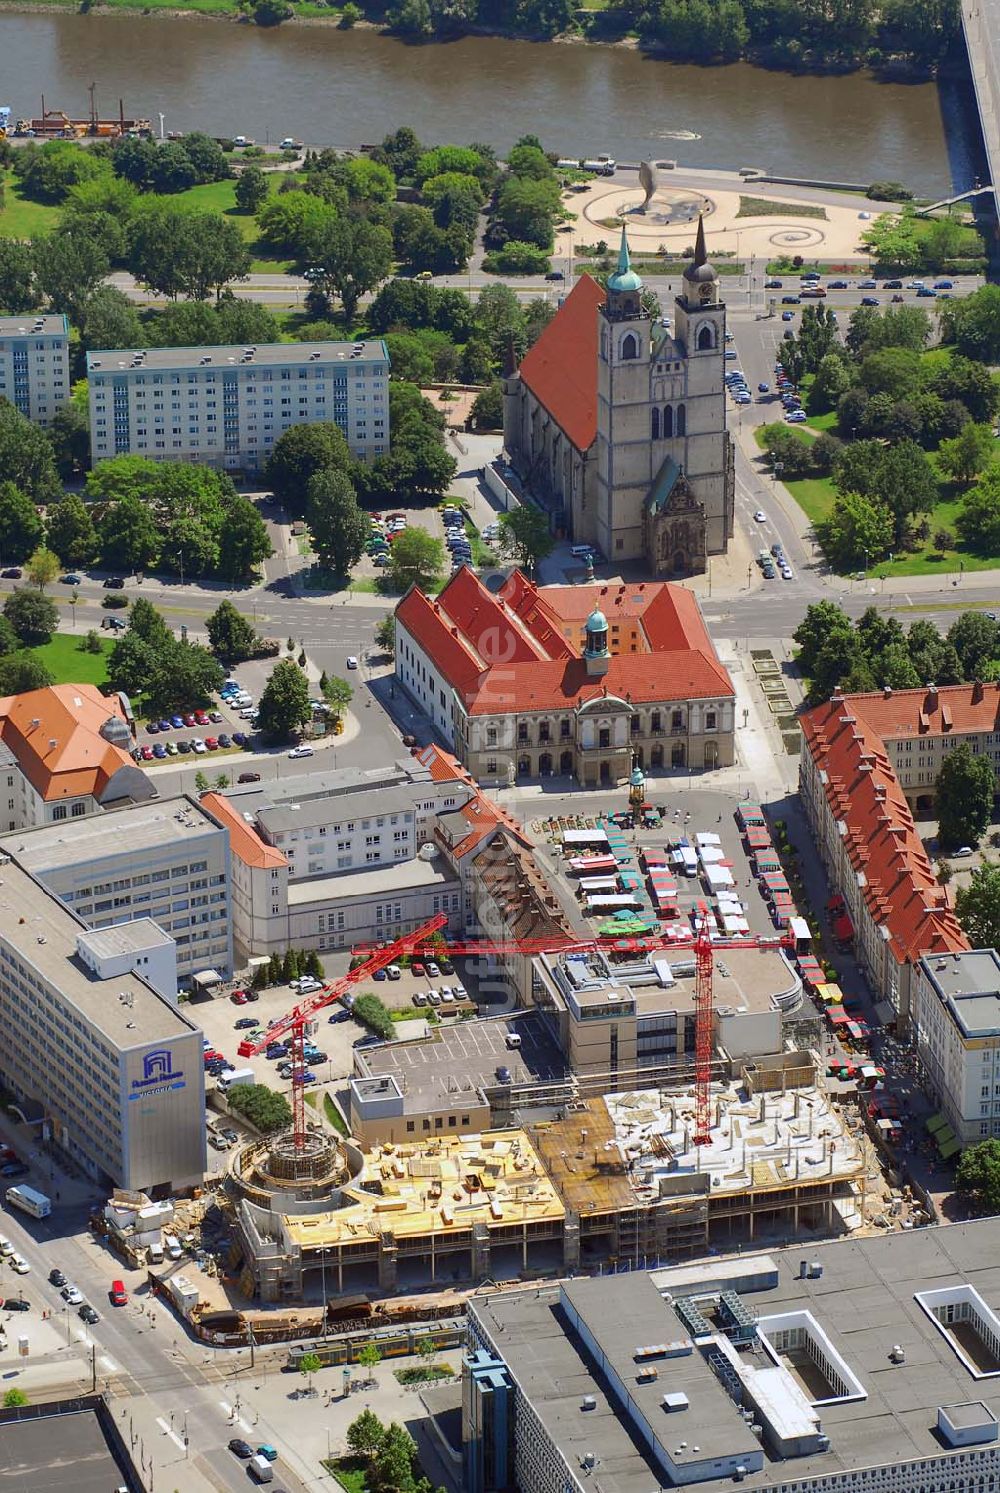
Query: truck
(29, 1201)
(239, 1075)
(172, 1246)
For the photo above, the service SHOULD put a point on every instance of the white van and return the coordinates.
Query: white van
(514, 1040)
(172, 1247)
(260, 1469)
(155, 1254)
(581, 551)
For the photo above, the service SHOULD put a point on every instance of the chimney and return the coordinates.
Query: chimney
(977, 691)
(887, 691)
(932, 694)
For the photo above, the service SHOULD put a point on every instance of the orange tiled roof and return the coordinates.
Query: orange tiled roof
(938, 711)
(509, 650)
(244, 841)
(55, 734)
(900, 889)
(560, 368)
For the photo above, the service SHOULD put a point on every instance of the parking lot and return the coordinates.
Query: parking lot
(469, 1054)
(196, 732)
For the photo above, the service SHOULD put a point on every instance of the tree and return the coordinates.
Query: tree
(284, 705)
(251, 189)
(338, 526)
(978, 906)
(26, 457)
(18, 291)
(69, 433)
(427, 1348)
(978, 519)
(33, 617)
(385, 634)
(976, 639)
(934, 659)
(965, 787)
(14, 1399)
(42, 567)
(366, 1433)
(968, 453)
(501, 320)
(338, 694)
(352, 256)
(369, 1358)
(21, 527)
(310, 1364)
(893, 241)
(831, 381)
(857, 529)
(109, 319)
(525, 536)
(69, 265)
(267, 1111)
(417, 559)
(232, 637)
(184, 674)
(823, 619)
(974, 324)
(21, 672)
(128, 535)
(298, 453)
(977, 1177)
(393, 1468)
(244, 543)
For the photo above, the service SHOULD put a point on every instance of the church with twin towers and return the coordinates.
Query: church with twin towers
(616, 422)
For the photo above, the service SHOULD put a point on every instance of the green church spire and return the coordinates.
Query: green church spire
(624, 277)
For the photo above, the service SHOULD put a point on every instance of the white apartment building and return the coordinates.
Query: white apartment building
(166, 860)
(34, 364)
(330, 859)
(956, 1016)
(115, 1069)
(226, 406)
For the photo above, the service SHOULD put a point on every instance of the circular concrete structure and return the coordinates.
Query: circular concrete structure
(285, 1177)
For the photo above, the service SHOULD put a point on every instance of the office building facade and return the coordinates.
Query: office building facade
(226, 407)
(168, 861)
(956, 1024)
(34, 365)
(112, 1069)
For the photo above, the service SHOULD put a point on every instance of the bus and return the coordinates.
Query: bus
(29, 1201)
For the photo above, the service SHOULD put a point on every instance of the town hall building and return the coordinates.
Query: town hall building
(616, 424)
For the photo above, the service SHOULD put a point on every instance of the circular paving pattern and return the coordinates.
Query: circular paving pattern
(797, 238)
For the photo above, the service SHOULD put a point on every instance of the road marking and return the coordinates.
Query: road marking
(177, 1440)
(239, 1421)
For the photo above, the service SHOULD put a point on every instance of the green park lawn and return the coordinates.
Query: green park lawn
(21, 218)
(816, 497)
(69, 663)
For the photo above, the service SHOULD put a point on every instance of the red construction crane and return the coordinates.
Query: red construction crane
(295, 1022)
(381, 955)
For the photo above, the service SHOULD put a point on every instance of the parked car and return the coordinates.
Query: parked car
(56, 1277)
(113, 583)
(89, 1315)
(118, 1293)
(16, 1304)
(12, 573)
(301, 751)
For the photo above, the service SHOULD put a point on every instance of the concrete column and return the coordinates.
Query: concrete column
(480, 1251)
(571, 1242)
(387, 1262)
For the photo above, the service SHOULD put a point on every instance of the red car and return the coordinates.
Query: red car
(417, 967)
(148, 754)
(201, 716)
(212, 742)
(239, 997)
(118, 1293)
(189, 719)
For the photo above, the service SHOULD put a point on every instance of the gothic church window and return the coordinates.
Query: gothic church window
(706, 338)
(630, 347)
(681, 420)
(655, 430)
(668, 423)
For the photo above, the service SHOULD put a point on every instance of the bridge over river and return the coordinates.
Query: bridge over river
(981, 23)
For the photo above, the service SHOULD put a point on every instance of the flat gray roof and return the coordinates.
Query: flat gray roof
(126, 938)
(278, 819)
(30, 325)
(48, 1453)
(43, 932)
(306, 787)
(166, 821)
(975, 972)
(399, 876)
(265, 355)
(863, 1300)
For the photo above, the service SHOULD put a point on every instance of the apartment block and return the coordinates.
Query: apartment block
(113, 1068)
(956, 1020)
(226, 406)
(167, 860)
(34, 364)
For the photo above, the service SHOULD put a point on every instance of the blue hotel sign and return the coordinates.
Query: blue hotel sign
(159, 1075)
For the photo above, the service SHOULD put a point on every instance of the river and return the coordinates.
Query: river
(348, 87)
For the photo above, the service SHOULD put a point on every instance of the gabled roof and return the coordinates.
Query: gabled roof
(55, 736)
(899, 887)
(948, 709)
(511, 650)
(244, 841)
(560, 369)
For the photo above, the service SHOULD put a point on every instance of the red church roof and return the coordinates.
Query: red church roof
(560, 369)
